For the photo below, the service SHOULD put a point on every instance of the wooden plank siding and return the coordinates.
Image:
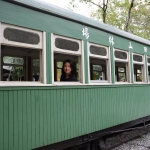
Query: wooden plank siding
(32, 118)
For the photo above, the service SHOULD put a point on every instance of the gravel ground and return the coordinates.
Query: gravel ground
(141, 141)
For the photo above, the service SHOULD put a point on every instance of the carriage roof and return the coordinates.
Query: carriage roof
(69, 15)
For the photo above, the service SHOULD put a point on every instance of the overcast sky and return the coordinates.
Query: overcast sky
(61, 3)
(82, 9)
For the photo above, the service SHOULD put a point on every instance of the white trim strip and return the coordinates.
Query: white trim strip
(88, 61)
(44, 58)
(52, 57)
(82, 63)
(109, 67)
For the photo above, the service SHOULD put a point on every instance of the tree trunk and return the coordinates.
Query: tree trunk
(128, 17)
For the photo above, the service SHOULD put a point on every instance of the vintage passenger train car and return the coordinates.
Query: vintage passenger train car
(39, 111)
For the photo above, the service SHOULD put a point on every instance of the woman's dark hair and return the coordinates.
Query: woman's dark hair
(72, 66)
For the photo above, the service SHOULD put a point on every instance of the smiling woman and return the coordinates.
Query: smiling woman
(68, 71)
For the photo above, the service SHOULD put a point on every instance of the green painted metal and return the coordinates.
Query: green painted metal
(48, 60)
(54, 10)
(86, 69)
(146, 69)
(112, 61)
(34, 118)
(131, 68)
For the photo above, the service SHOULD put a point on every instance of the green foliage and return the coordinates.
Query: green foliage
(36, 66)
(17, 73)
(140, 21)
(117, 14)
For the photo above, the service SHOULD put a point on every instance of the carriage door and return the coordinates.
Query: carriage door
(21, 54)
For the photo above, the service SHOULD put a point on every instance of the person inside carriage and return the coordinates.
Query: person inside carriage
(68, 71)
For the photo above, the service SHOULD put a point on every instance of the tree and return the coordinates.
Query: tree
(140, 20)
(102, 6)
(128, 15)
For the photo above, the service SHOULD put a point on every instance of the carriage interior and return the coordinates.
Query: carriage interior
(19, 64)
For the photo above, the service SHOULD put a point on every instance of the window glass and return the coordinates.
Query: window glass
(148, 60)
(120, 55)
(13, 60)
(97, 67)
(66, 44)
(98, 50)
(137, 58)
(36, 69)
(21, 36)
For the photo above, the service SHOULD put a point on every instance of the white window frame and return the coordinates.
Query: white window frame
(41, 46)
(142, 68)
(7, 42)
(148, 65)
(127, 62)
(108, 65)
(79, 53)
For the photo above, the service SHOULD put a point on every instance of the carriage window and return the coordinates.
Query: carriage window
(66, 44)
(138, 67)
(120, 55)
(22, 54)
(21, 36)
(148, 65)
(98, 50)
(20, 64)
(13, 60)
(64, 49)
(121, 66)
(99, 63)
(137, 58)
(148, 60)
(98, 70)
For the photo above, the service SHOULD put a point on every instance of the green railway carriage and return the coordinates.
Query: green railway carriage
(39, 111)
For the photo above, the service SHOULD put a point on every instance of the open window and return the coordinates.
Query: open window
(148, 65)
(22, 54)
(121, 66)
(65, 48)
(99, 64)
(20, 64)
(138, 67)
